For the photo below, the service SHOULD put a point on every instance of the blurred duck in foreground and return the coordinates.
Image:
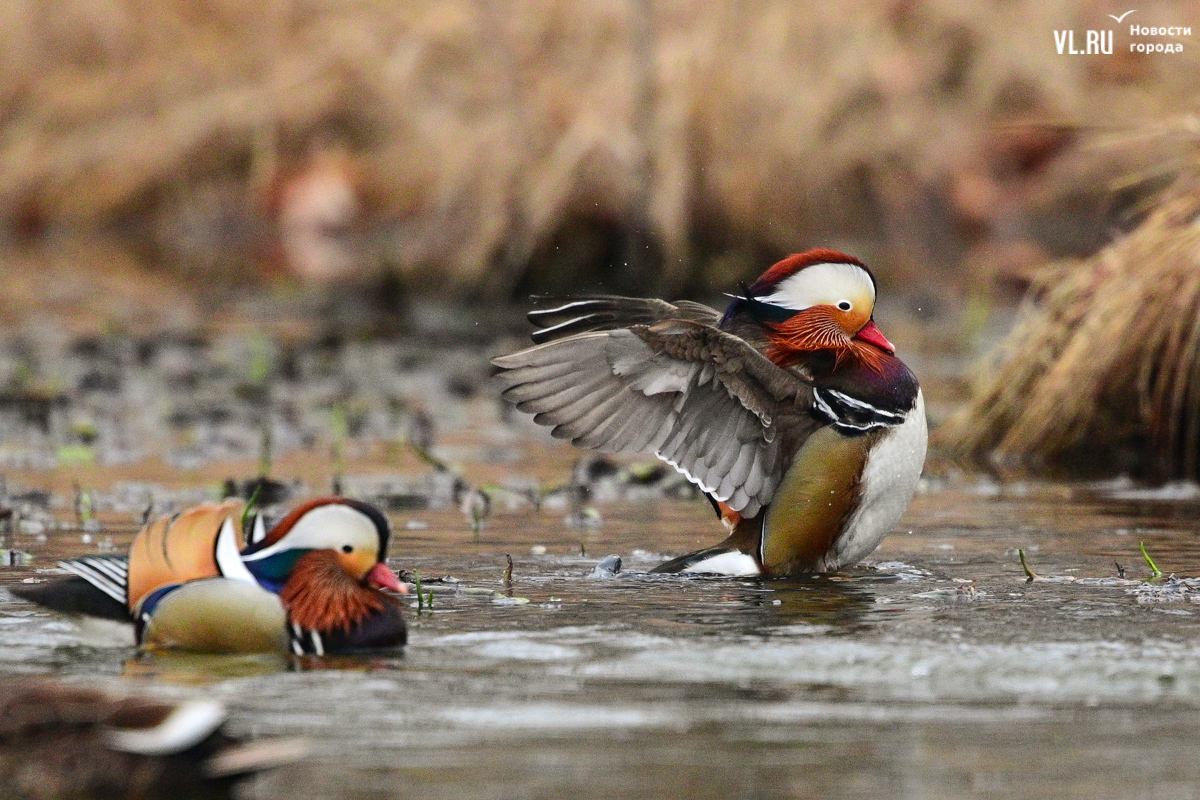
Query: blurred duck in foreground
(314, 584)
(790, 411)
(59, 742)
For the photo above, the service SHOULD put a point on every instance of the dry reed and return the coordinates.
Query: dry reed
(1102, 373)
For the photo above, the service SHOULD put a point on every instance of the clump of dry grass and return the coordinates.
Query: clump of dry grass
(1102, 373)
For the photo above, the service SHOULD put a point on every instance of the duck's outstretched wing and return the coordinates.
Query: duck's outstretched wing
(702, 400)
(560, 317)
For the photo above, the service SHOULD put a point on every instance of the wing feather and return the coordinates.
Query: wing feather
(571, 403)
(559, 318)
(618, 374)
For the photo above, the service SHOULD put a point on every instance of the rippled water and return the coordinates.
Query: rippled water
(935, 671)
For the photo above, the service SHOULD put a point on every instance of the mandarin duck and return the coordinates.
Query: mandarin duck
(312, 584)
(59, 741)
(789, 411)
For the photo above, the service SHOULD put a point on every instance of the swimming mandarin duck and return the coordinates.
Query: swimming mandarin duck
(312, 584)
(790, 411)
(65, 742)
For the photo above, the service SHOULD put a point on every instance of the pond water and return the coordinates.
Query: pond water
(936, 670)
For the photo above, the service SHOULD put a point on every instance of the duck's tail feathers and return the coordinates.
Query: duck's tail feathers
(109, 574)
(73, 595)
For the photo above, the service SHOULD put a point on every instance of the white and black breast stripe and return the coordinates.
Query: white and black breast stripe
(305, 642)
(850, 415)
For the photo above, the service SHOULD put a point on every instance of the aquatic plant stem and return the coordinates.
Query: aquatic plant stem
(250, 506)
(1030, 575)
(341, 431)
(1154, 570)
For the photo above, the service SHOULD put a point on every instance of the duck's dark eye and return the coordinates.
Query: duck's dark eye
(347, 548)
(845, 305)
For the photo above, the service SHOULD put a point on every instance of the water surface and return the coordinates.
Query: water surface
(936, 670)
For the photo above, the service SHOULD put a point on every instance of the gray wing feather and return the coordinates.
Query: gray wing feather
(702, 400)
(559, 318)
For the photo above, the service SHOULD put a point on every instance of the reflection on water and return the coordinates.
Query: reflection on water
(837, 604)
(200, 669)
(936, 672)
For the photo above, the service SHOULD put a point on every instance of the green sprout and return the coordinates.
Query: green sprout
(341, 430)
(1030, 575)
(149, 509)
(266, 446)
(259, 363)
(250, 504)
(429, 458)
(1154, 570)
(83, 505)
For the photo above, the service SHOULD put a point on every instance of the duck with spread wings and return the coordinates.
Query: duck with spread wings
(790, 411)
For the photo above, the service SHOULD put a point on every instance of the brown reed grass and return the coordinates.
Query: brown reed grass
(728, 131)
(1101, 375)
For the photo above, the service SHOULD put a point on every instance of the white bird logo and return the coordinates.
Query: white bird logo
(1123, 16)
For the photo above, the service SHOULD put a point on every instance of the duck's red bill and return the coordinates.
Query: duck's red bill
(870, 333)
(384, 578)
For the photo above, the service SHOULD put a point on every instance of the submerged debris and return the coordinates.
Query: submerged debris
(1171, 590)
(607, 568)
(966, 590)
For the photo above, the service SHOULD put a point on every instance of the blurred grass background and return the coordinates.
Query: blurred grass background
(294, 167)
(497, 147)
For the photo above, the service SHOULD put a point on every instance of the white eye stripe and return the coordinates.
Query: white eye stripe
(325, 527)
(822, 284)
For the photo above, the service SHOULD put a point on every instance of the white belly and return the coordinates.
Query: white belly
(889, 479)
(730, 563)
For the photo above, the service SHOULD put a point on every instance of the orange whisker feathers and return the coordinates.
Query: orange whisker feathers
(815, 329)
(320, 596)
